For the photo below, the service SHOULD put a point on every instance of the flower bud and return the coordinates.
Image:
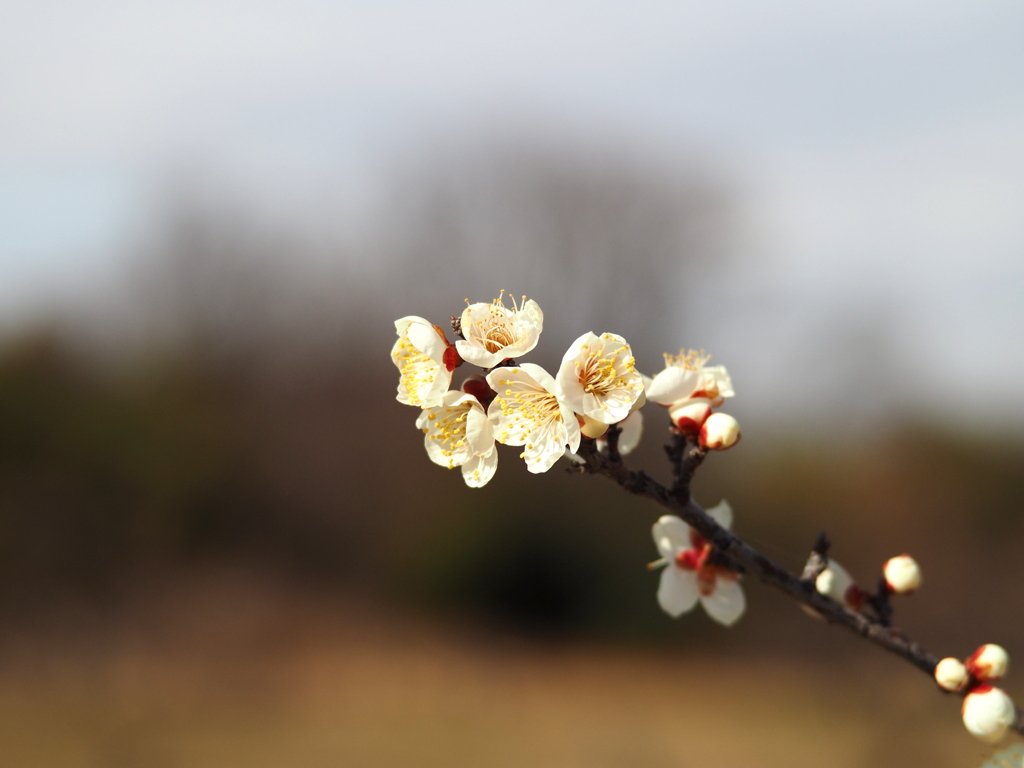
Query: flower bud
(690, 414)
(950, 674)
(902, 574)
(989, 662)
(835, 582)
(988, 713)
(591, 427)
(719, 432)
(478, 387)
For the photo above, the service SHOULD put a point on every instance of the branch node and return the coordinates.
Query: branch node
(817, 562)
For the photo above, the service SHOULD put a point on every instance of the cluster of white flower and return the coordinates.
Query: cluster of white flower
(521, 404)
(691, 388)
(987, 711)
(597, 385)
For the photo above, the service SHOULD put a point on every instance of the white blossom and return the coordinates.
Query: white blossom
(457, 433)
(988, 713)
(493, 332)
(687, 375)
(599, 379)
(689, 575)
(529, 410)
(425, 361)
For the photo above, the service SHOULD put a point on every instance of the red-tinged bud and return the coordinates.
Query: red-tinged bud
(720, 431)
(450, 357)
(690, 414)
(477, 387)
(950, 674)
(835, 582)
(902, 574)
(988, 713)
(591, 428)
(990, 662)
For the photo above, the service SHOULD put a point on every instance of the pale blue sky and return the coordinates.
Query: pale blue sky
(878, 146)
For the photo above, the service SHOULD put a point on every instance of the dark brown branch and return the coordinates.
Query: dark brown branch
(612, 439)
(686, 456)
(818, 560)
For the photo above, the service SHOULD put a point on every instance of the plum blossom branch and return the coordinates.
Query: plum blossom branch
(686, 455)
(589, 411)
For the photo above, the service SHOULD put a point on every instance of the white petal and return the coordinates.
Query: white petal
(567, 377)
(426, 339)
(721, 514)
(677, 591)
(672, 384)
(544, 447)
(670, 535)
(542, 377)
(721, 379)
(479, 470)
(402, 324)
(573, 436)
(531, 313)
(727, 603)
(479, 433)
(478, 356)
(444, 434)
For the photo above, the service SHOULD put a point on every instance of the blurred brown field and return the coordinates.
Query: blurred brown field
(227, 668)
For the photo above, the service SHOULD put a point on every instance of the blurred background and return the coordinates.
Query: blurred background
(221, 542)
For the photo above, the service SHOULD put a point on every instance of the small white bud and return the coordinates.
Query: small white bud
(950, 674)
(988, 713)
(591, 427)
(690, 414)
(902, 574)
(719, 432)
(989, 662)
(835, 582)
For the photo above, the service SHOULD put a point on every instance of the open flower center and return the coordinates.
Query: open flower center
(527, 409)
(600, 375)
(498, 329)
(699, 558)
(498, 337)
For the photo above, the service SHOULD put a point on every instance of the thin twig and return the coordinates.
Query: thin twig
(817, 562)
(686, 456)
